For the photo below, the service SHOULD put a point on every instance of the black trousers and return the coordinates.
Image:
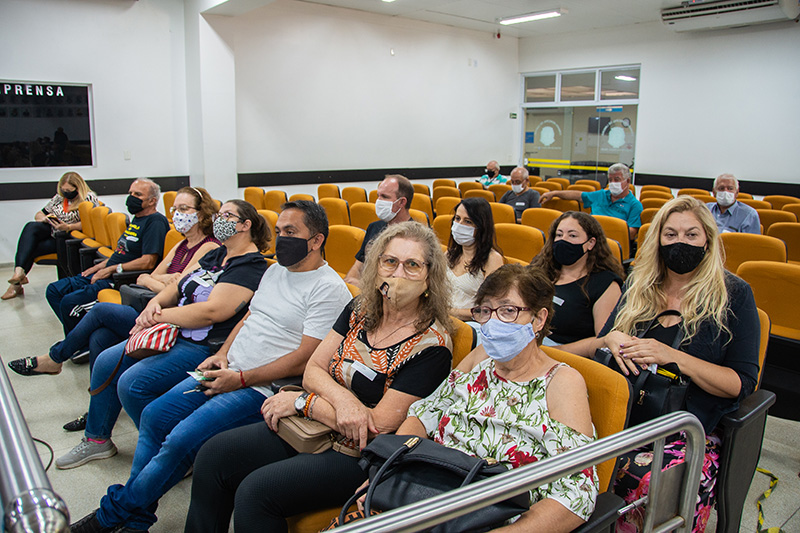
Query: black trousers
(35, 240)
(255, 471)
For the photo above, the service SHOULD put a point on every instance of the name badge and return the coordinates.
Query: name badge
(132, 238)
(520, 203)
(364, 370)
(557, 300)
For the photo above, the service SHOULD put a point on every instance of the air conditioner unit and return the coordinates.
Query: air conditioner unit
(697, 16)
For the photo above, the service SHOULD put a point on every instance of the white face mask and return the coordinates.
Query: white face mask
(615, 188)
(184, 221)
(463, 235)
(725, 198)
(383, 208)
(516, 188)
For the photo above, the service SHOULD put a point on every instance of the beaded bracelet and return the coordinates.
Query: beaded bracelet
(310, 397)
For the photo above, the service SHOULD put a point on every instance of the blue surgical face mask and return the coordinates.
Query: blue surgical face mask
(503, 341)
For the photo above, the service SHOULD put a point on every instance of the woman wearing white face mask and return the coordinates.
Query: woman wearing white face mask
(531, 406)
(472, 253)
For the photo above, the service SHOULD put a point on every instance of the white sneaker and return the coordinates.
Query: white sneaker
(84, 452)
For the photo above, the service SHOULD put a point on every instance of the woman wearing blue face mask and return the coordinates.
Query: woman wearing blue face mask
(472, 253)
(530, 405)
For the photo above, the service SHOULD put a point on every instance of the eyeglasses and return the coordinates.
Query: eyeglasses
(506, 313)
(182, 209)
(412, 267)
(225, 215)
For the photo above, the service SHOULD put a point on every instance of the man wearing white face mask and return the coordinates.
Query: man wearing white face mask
(395, 193)
(730, 214)
(617, 201)
(520, 197)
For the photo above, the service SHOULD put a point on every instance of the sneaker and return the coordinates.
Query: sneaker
(79, 424)
(80, 357)
(84, 452)
(90, 524)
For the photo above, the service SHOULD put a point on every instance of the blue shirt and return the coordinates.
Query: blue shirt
(738, 218)
(627, 208)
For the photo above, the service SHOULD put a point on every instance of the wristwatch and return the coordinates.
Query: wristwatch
(119, 268)
(300, 403)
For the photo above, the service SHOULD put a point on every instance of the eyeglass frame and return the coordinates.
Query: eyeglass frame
(227, 215)
(423, 264)
(494, 311)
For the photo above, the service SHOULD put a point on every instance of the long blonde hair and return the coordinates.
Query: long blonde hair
(704, 296)
(74, 179)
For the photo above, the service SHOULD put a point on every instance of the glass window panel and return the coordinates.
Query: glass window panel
(540, 88)
(619, 84)
(575, 87)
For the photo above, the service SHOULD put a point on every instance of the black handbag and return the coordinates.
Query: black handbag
(654, 393)
(406, 469)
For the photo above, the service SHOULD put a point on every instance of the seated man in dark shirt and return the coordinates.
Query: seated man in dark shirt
(139, 248)
(521, 196)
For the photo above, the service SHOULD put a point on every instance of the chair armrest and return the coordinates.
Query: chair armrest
(750, 409)
(278, 383)
(604, 515)
(127, 277)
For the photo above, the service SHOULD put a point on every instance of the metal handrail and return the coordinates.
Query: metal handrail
(28, 502)
(427, 513)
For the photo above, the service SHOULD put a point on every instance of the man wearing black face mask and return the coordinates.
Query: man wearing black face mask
(139, 248)
(492, 175)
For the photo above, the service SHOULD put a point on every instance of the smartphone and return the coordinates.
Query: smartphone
(198, 375)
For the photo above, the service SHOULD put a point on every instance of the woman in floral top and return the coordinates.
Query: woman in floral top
(508, 400)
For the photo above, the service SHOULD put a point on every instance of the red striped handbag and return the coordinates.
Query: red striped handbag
(151, 341)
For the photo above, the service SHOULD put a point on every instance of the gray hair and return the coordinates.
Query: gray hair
(155, 189)
(622, 168)
(726, 177)
(523, 170)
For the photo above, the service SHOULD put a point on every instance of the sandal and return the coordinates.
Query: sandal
(19, 281)
(14, 290)
(79, 424)
(27, 367)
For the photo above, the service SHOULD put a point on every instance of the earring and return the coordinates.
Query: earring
(536, 334)
(426, 293)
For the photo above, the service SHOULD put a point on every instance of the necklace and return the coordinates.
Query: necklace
(379, 341)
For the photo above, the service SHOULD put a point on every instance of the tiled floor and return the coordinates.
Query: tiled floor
(28, 328)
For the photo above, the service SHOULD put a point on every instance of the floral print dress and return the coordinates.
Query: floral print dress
(484, 415)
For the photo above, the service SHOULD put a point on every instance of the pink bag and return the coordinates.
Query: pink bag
(151, 341)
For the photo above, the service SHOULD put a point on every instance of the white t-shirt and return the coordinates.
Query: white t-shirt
(286, 306)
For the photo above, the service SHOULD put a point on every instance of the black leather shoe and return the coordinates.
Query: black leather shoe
(90, 524)
(27, 367)
(80, 358)
(126, 529)
(79, 424)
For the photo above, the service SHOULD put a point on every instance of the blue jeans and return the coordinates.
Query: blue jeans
(173, 428)
(64, 294)
(136, 385)
(102, 327)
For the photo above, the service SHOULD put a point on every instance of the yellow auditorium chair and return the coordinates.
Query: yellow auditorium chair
(499, 189)
(423, 202)
(419, 216)
(641, 236)
(592, 183)
(354, 290)
(661, 188)
(616, 249)
(550, 185)
(533, 180)
(617, 229)
(337, 211)
(745, 195)
(362, 214)
(444, 192)
(768, 217)
(341, 247)
(741, 247)
(447, 205)
(441, 227)
(328, 190)
(444, 183)
(116, 223)
(776, 288)
(560, 204)
(540, 190)
(780, 200)
(648, 214)
(656, 203)
(564, 182)
(353, 195)
(373, 196)
(168, 198)
(513, 261)
(301, 196)
(480, 193)
(86, 231)
(704, 198)
(274, 200)
(688, 191)
(756, 204)
(271, 217)
(518, 241)
(540, 218)
(581, 187)
(89, 247)
(503, 213)
(421, 188)
(254, 196)
(465, 186)
(792, 208)
(655, 194)
(789, 233)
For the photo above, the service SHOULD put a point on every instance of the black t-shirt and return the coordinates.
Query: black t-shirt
(244, 270)
(143, 236)
(572, 310)
(418, 374)
(372, 231)
(520, 202)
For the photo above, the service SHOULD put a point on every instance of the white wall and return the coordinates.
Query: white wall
(710, 102)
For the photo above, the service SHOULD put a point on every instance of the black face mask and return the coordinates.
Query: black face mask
(680, 257)
(134, 204)
(291, 250)
(567, 253)
(490, 172)
(70, 195)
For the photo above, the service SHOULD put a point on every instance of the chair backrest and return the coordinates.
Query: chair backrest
(254, 196)
(115, 227)
(362, 214)
(789, 233)
(564, 182)
(533, 180)
(661, 188)
(776, 288)
(441, 226)
(581, 187)
(274, 200)
(592, 183)
(768, 217)
(464, 340)
(172, 238)
(780, 200)
(480, 193)
(756, 204)
(559, 204)
(168, 197)
(446, 205)
(540, 218)
(648, 214)
(513, 261)
(465, 186)
(337, 211)
(641, 236)
(353, 195)
(655, 194)
(792, 208)
(518, 241)
(766, 326)
(419, 216)
(617, 229)
(499, 189)
(609, 402)
(373, 196)
(540, 190)
(342, 245)
(301, 196)
(745, 195)
(657, 203)
(616, 249)
(421, 188)
(354, 290)
(550, 185)
(98, 216)
(85, 212)
(690, 190)
(444, 183)
(423, 202)
(271, 217)
(328, 190)
(444, 191)
(503, 213)
(704, 198)
(741, 247)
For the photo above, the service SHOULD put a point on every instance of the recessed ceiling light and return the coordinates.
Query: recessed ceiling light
(624, 78)
(541, 15)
